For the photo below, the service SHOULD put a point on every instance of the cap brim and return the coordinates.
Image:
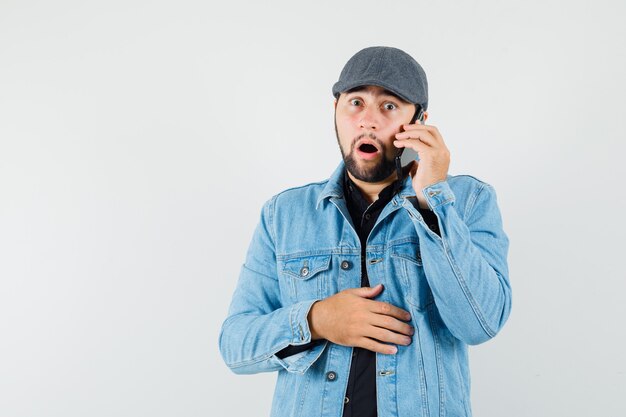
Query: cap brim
(340, 87)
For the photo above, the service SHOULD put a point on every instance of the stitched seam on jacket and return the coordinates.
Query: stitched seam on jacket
(271, 208)
(473, 199)
(422, 376)
(439, 358)
(468, 295)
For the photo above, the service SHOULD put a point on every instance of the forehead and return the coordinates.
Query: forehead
(374, 90)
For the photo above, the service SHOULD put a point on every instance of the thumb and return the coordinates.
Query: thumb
(368, 292)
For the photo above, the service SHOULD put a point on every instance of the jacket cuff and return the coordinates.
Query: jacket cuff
(299, 322)
(438, 194)
(301, 335)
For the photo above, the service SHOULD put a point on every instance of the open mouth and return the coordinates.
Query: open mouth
(368, 148)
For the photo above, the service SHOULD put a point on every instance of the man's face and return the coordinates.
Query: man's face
(366, 121)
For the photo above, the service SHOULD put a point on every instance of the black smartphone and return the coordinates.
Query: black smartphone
(407, 155)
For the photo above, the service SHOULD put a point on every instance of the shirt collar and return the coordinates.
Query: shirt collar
(355, 195)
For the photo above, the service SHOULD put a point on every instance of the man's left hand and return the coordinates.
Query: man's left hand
(434, 156)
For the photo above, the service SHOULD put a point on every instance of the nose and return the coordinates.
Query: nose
(369, 119)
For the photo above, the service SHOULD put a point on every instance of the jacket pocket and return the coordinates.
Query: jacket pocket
(407, 265)
(307, 276)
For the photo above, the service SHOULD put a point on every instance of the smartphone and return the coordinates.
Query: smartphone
(407, 155)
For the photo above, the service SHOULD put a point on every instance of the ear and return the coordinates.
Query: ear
(335, 103)
(425, 116)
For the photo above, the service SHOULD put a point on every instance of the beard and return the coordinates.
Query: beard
(373, 173)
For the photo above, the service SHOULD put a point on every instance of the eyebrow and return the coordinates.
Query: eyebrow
(385, 92)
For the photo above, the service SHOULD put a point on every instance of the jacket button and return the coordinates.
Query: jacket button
(346, 400)
(331, 376)
(345, 265)
(304, 271)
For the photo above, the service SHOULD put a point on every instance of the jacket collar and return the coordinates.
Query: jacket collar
(334, 186)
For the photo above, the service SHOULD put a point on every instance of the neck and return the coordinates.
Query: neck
(371, 190)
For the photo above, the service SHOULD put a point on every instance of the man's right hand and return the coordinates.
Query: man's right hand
(350, 318)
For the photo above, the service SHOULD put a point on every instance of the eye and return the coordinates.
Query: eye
(390, 106)
(355, 100)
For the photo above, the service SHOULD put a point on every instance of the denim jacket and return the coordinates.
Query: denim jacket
(305, 248)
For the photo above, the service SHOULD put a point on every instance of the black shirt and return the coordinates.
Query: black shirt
(360, 400)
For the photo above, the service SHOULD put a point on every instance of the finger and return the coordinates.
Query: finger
(423, 136)
(416, 126)
(436, 134)
(375, 346)
(381, 307)
(392, 324)
(366, 292)
(415, 144)
(387, 336)
(432, 130)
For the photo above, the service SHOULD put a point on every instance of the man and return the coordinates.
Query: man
(364, 290)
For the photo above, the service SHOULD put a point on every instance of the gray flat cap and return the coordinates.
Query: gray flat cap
(386, 67)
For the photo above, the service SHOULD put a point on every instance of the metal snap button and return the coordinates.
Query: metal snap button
(345, 265)
(304, 271)
(346, 400)
(331, 376)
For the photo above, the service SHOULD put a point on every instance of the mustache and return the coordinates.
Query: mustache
(372, 137)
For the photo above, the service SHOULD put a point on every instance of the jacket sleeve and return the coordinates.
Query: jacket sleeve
(466, 267)
(258, 326)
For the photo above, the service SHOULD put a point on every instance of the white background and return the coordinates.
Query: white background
(139, 139)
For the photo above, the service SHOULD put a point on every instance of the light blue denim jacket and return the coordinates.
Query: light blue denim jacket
(455, 286)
